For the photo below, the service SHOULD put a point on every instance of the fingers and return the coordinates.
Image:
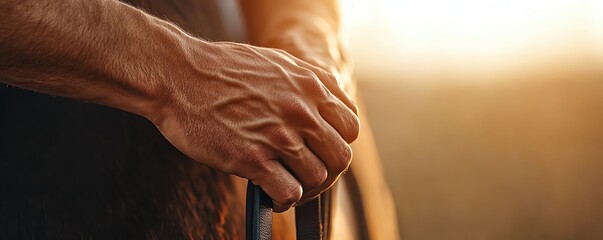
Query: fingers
(340, 126)
(340, 112)
(306, 167)
(332, 84)
(301, 163)
(307, 170)
(278, 183)
(329, 80)
(305, 149)
(333, 151)
(326, 106)
(342, 119)
(283, 180)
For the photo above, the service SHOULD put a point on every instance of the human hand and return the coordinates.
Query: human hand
(261, 114)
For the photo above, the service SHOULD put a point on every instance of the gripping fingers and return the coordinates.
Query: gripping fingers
(278, 183)
(298, 159)
(333, 151)
(307, 168)
(341, 119)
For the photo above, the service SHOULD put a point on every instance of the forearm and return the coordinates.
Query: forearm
(309, 30)
(251, 111)
(99, 51)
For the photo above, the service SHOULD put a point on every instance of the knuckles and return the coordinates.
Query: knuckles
(344, 159)
(295, 107)
(317, 180)
(353, 128)
(312, 83)
(292, 196)
(299, 113)
(257, 159)
(281, 136)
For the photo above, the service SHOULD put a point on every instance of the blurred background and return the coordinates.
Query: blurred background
(488, 115)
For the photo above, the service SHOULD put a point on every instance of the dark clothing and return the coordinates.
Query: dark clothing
(70, 169)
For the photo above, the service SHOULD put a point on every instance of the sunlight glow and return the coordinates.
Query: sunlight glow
(469, 32)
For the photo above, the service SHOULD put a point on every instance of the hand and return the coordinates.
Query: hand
(261, 114)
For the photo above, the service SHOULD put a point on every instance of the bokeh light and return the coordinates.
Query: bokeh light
(418, 35)
(487, 114)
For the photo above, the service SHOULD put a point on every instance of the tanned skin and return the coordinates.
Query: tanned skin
(259, 113)
(309, 30)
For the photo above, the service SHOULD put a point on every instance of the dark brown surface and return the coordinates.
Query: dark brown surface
(77, 170)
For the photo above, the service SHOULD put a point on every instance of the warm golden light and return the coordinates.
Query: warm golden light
(487, 114)
(463, 33)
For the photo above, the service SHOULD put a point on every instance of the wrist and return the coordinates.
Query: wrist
(181, 77)
(162, 64)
